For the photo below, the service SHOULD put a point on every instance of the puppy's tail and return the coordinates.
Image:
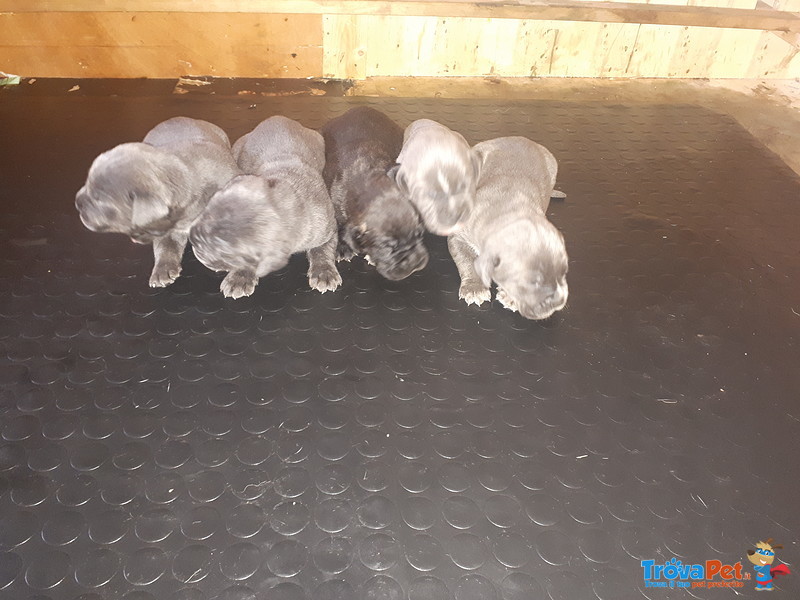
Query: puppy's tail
(557, 195)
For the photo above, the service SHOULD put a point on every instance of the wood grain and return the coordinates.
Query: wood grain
(602, 12)
(160, 45)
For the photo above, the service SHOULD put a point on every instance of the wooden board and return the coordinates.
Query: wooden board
(774, 58)
(564, 10)
(449, 47)
(160, 45)
(245, 44)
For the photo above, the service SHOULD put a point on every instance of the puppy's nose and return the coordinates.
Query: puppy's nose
(140, 237)
(81, 202)
(421, 262)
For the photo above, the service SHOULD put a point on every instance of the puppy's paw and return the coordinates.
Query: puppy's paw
(474, 292)
(324, 279)
(506, 300)
(344, 253)
(164, 273)
(238, 284)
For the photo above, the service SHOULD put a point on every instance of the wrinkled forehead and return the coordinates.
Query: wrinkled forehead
(114, 183)
(119, 174)
(397, 221)
(549, 262)
(448, 179)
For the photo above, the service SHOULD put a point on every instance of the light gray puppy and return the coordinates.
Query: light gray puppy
(507, 237)
(438, 171)
(152, 191)
(278, 207)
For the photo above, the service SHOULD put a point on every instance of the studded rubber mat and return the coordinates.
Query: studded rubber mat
(386, 441)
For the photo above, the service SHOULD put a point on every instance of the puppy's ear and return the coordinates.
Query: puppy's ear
(485, 265)
(399, 178)
(147, 209)
(159, 188)
(477, 162)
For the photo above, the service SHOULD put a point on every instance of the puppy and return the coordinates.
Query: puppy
(278, 207)
(153, 191)
(374, 217)
(507, 237)
(439, 172)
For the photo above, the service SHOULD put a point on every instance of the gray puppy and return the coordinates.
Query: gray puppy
(280, 206)
(439, 172)
(507, 237)
(152, 191)
(375, 218)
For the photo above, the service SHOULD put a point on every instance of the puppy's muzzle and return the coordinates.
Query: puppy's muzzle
(91, 216)
(449, 223)
(141, 237)
(406, 265)
(82, 202)
(550, 300)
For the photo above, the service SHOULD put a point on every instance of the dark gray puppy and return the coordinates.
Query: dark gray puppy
(439, 172)
(280, 206)
(507, 237)
(375, 218)
(152, 191)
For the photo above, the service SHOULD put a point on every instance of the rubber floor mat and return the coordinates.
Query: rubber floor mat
(386, 441)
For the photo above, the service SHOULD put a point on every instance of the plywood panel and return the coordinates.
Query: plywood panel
(429, 46)
(160, 44)
(774, 58)
(653, 50)
(694, 52)
(670, 51)
(603, 49)
(535, 47)
(734, 52)
(786, 5)
(563, 10)
(343, 48)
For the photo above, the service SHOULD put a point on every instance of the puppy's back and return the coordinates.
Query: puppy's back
(361, 125)
(516, 165)
(181, 130)
(276, 140)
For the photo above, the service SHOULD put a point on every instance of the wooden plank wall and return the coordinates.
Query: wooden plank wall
(361, 46)
(160, 44)
(254, 44)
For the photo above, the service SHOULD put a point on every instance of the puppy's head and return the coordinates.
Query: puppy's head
(239, 229)
(386, 228)
(528, 260)
(442, 189)
(132, 189)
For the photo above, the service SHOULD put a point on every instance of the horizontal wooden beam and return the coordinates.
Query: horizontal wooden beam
(576, 10)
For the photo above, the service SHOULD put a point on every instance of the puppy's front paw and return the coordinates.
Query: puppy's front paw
(344, 252)
(474, 292)
(506, 300)
(324, 279)
(164, 273)
(238, 284)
